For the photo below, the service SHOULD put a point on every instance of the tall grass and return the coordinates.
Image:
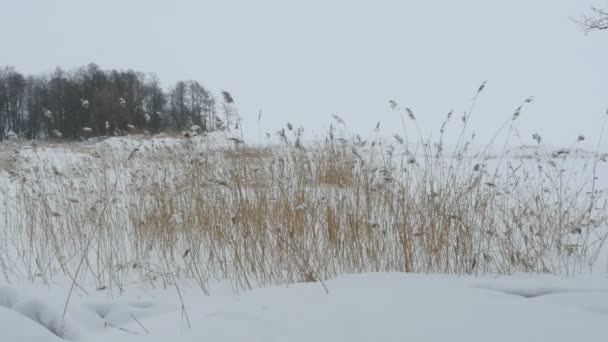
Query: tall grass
(157, 210)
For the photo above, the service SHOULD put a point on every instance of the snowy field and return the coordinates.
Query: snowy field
(79, 263)
(367, 307)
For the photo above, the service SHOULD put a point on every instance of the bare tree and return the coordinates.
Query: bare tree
(597, 21)
(91, 100)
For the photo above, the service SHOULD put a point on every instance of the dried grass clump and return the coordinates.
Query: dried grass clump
(293, 212)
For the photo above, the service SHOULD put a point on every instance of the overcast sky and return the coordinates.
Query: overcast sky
(303, 61)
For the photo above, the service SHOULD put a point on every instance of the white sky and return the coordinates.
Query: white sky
(302, 61)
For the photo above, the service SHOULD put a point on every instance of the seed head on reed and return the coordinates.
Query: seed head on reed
(227, 97)
(392, 104)
(410, 114)
(481, 87)
(338, 119)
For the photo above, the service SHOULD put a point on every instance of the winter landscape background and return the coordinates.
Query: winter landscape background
(271, 170)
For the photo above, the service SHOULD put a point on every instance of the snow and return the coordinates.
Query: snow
(16, 327)
(364, 307)
(44, 314)
(177, 218)
(8, 296)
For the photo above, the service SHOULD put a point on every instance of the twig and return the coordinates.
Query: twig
(120, 328)
(138, 322)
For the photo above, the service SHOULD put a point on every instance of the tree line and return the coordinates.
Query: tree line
(89, 101)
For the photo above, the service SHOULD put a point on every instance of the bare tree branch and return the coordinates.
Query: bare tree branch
(597, 21)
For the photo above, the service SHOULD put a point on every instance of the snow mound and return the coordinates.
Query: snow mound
(8, 296)
(52, 319)
(591, 298)
(536, 291)
(17, 328)
(38, 311)
(121, 312)
(357, 308)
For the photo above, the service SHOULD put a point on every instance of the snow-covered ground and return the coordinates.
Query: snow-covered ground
(361, 307)
(364, 307)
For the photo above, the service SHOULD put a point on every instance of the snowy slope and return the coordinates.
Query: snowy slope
(367, 307)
